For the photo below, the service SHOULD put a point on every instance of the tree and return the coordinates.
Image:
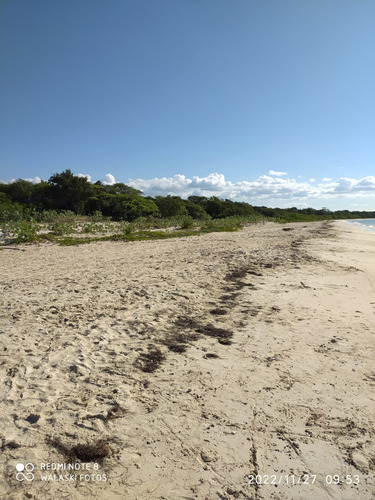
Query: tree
(21, 191)
(196, 211)
(215, 207)
(120, 188)
(42, 196)
(136, 206)
(69, 191)
(171, 206)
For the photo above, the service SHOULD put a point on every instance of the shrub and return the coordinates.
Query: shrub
(226, 224)
(90, 228)
(127, 228)
(22, 231)
(142, 223)
(60, 228)
(67, 216)
(186, 222)
(97, 216)
(47, 216)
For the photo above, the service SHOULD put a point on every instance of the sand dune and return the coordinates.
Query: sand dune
(182, 367)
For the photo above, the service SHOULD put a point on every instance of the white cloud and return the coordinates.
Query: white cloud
(34, 180)
(274, 172)
(214, 182)
(216, 185)
(265, 190)
(109, 180)
(366, 184)
(88, 177)
(269, 190)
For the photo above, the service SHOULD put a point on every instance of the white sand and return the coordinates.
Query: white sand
(292, 395)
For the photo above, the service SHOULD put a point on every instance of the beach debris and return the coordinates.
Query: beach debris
(304, 286)
(210, 355)
(270, 359)
(206, 458)
(32, 418)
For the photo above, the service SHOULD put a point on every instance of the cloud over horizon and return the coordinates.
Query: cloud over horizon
(88, 177)
(269, 190)
(108, 180)
(264, 189)
(34, 180)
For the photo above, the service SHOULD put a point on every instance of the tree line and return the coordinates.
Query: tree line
(66, 191)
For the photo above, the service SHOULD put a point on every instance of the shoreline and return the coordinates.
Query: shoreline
(265, 341)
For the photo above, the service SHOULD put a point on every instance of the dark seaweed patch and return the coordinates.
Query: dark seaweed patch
(84, 452)
(218, 311)
(179, 348)
(229, 298)
(10, 445)
(208, 330)
(212, 331)
(150, 361)
(186, 323)
(178, 342)
(116, 411)
(236, 274)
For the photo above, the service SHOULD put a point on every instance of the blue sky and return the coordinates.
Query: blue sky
(246, 99)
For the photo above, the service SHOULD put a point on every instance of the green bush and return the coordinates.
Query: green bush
(225, 224)
(22, 231)
(10, 214)
(143, 223)
(91, 228)
(47, 216)
(97, 216)
(160, 222)
(67, 216)
(60, 228)
(127, 228)
(186, 222)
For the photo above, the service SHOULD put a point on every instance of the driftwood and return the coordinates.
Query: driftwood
(13, 248)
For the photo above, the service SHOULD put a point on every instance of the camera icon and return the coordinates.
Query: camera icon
(25, 472)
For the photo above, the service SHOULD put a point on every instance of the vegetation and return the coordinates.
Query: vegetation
(68, 209)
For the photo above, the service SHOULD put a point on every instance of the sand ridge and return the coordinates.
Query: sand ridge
(193, 362)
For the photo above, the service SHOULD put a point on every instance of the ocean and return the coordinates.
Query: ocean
(368, 224)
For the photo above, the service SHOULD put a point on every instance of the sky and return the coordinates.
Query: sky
(266, 101)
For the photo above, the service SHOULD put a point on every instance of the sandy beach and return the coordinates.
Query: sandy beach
(223, 366)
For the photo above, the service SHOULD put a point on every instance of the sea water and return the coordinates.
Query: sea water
(368, 224)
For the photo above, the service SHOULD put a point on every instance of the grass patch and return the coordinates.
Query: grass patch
(61, 230)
